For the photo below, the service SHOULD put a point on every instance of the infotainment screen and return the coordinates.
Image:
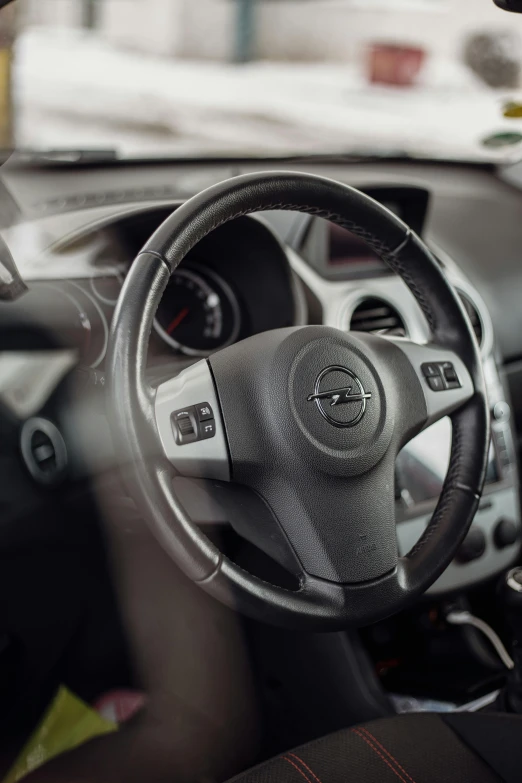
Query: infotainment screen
(423, 463)
(347, 254)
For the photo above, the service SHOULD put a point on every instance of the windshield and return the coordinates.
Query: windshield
(436, 78)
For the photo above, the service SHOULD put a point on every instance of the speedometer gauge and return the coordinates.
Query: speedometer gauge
(198, 312)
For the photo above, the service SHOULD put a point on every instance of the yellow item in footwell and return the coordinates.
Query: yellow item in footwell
(67, 723)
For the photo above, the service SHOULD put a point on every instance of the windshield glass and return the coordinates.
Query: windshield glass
(434, 78)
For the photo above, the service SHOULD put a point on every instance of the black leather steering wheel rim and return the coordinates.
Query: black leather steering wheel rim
(319, 604)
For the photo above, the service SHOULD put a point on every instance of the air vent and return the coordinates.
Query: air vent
(43, 450)
(474, 317)
(378, 317)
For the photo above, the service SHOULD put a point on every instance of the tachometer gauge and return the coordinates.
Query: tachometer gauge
(198, 312)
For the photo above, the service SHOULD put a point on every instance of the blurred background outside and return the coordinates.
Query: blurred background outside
(253, 77)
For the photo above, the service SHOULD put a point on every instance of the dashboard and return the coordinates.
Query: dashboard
(251, 275)
(236, 283)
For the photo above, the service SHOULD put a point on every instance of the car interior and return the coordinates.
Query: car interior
(260, 426)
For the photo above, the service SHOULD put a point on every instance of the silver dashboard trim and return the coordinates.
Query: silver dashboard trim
(339, 298)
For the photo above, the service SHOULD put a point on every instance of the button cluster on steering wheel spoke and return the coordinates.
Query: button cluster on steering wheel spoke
(196, 422)
(441, 376)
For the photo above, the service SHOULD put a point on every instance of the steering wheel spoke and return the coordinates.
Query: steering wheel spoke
(190, 425)
(444, 380)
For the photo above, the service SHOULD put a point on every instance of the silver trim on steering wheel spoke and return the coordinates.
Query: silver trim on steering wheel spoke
(444, 401)
(200, 456)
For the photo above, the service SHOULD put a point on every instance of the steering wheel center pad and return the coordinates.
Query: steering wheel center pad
(317, 476)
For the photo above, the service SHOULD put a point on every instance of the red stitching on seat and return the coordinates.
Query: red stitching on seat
(297, 768)
(305, 766)
(372, 746)
(390, 755)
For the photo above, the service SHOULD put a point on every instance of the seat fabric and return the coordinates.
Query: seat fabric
(414, 748)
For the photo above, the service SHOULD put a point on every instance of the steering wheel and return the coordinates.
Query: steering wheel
(310, 418)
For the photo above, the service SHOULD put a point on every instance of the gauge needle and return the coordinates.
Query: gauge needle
(177, 320)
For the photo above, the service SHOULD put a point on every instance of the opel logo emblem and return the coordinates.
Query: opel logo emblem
(348, 392)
